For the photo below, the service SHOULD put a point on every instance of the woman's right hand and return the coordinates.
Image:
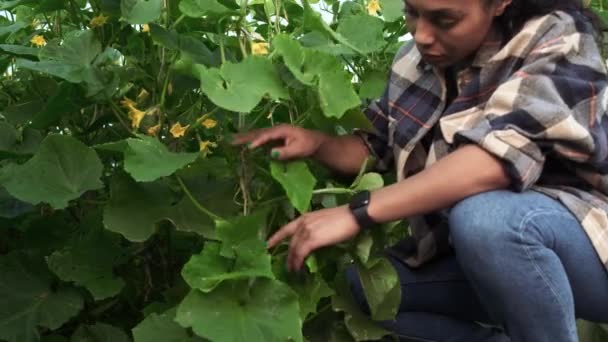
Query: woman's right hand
(295, 142)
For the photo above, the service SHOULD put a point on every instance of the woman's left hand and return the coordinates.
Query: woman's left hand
(314, 230)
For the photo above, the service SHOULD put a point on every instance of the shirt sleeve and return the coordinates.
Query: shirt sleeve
(551, 107)
(376, 139)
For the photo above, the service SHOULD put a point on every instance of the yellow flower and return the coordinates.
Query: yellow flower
(178, 130)
(98, 21)
(136, 116)
(153, 131)
(145, 28)
(209, 123)
(259, 48)
(38, 40)
(127, 103)
(205, 146)
(143, 96)
(373, 6)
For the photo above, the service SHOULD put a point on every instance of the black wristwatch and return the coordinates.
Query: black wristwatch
(358, 206)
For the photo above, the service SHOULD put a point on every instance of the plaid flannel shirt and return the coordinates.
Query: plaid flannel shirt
(537, 102)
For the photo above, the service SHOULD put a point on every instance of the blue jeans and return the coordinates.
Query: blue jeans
(523, 266)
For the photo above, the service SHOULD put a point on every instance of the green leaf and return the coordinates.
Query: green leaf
(66, 100)
(392, 10)
(89, 261)
(591, 332)
(161, 328)
(71, 60)
(305, 64)
(266, 311)
(360, 326)
(74, 60)
(201, 8)
(193, 48)
(141, 11)
(99, 332)
(10, 207)
(363, 247)
(297, 180)
(135, 209)
(240, 230)
(240, 87)
(367, 41)
(28, 300)
(369, 181)
(62, 170)
(336, 93)
(14, 142)
(147, 159)
(20, 50)
(310, 291)
(382, 289)
(208, 269)
(373, 85)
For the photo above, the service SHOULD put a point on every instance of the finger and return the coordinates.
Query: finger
(301, 253)
(243, 138)
(282, 233)
(270, 135)
(300, 246)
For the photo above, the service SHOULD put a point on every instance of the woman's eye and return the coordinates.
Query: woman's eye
(446, 24)
(411, 12)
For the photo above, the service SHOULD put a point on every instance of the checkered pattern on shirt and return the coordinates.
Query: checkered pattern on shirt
(537, 102)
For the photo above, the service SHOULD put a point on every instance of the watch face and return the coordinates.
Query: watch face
(360, 200)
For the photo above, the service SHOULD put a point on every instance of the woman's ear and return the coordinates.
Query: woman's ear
(501, 7)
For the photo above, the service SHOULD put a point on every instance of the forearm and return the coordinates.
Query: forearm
(468, 171)
(343, 154)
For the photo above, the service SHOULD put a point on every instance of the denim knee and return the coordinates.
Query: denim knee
(481, 225)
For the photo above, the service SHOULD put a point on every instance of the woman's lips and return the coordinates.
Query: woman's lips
(433, 58)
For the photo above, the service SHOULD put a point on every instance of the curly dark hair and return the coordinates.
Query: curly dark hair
(520, 11)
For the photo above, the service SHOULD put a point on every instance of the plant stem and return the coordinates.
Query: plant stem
(196, 203)
(119, 114)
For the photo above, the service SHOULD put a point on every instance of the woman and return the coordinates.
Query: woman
(494, 118)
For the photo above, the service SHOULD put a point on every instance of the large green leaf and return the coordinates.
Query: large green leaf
(336, 93)
(135, 209)
(15, 142)
(192, 47)
(62, 170)
(235, 312)
(241, 230)
(200, 8)
(369, 40)
(360, 326)
(141, 11)
(99, 332)
(89, 261)
(373, 85)
(310, 291)
(208, 269)
(70, 60)
(161, 328)
(392, 10)
(147, 159)
(240, 87)
(297, 180)
(305, 64)
(28, 300)
(75, 59)
(382, 289)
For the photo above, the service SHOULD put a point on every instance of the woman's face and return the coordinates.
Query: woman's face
(448, 31)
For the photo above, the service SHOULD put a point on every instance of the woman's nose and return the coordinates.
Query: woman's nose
(424, 34)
